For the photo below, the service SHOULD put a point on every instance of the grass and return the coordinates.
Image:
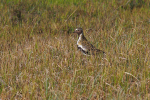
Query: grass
(39, 58)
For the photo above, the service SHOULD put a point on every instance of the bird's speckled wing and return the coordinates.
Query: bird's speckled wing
(87, 45)
(90, 48)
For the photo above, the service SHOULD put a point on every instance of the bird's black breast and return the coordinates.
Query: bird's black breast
(85, 52)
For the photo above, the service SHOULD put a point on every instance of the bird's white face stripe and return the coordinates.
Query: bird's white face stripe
(79, 39)
(79, 45)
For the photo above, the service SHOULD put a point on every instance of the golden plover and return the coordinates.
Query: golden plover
(84, 46)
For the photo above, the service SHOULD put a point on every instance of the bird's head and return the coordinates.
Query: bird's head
(78, 31)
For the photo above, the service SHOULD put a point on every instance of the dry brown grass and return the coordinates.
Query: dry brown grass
(39, 58)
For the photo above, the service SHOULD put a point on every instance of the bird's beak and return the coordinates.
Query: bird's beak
(74, 32)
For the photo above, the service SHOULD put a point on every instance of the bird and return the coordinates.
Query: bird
(84, 45)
